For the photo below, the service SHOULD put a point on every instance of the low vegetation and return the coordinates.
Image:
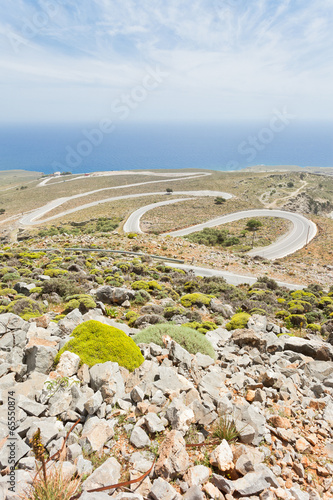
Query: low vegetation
(96, 343)
(188, 338)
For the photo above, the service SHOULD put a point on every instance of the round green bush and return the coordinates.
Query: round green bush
(314, 327)
(296, 320)
(188, 338)
(131, 317)
(7, 291)
(198, 299)
(54, 273)
(146, 285)
(202, 327)
(239, 320)
(26, 308)
(83, 302)
(299, 306)
(282, 313)
(96, 342)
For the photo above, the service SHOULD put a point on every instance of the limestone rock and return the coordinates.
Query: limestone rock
(222, 457)
(139, 438)
(173, 459)
(162, 490)
(68, 364)
(199, 474)
(108, 473)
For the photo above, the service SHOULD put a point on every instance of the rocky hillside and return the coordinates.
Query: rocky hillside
(147, 360)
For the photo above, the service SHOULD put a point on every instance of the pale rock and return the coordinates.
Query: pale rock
(84, 466)
(101, 495)
(137, 394)
(21, 449)
(328, 413)
(139, 438)
(162, 490)
(95, 434)
(49, 429)
(83, 374)
(222, 457)
(73, 451)
(173, 459)
(302, 445)
(213, 492)
(298, 494)
(180, 416)
(127, 495)
(92, 405)
(153, 423)
(179, 355)
(108, 473)
(40, 358)
(203, 361)
(68, 364)
(30, 406)
(199, 474)
(194, 493)
(71, 321)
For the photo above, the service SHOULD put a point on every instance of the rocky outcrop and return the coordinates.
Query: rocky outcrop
(273, 394)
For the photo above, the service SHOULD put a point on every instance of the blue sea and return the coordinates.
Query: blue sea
(217, 146)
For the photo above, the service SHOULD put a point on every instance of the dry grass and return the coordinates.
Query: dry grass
(56, 487)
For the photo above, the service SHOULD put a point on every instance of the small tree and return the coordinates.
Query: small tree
(253, 224)
(219, 200)
(169, 190)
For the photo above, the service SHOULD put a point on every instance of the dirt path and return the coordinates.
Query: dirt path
(283, 198)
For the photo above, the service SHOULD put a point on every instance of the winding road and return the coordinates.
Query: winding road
(302, 232)
(231, 278)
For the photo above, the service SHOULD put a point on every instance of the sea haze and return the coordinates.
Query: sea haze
(226, 146)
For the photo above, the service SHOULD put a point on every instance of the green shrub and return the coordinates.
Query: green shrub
(258, 310)
(314, 327)
(54, 273)
(169, 312)
(202, 327)
(7, 291)
(213, 237)
(112, 281)
(62, 286)
(296, 321)
(37, 289)
(83, 302)
(188, 338)
(10, 277)
(198, 299)
(146, 285)
(325, 301)
(26, 308)
(299, 306)
(141, 298)
(303, 295)
(282, 313)
(131, 317)
(239, 320)
(32, 255)
(96, 343)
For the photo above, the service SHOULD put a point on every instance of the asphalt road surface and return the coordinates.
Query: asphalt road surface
(132, 225)
(303, 231)
(231, 278)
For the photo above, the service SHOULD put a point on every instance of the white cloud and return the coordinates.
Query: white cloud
(239, 57)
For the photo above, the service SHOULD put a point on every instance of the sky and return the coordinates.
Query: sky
(165, 60)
